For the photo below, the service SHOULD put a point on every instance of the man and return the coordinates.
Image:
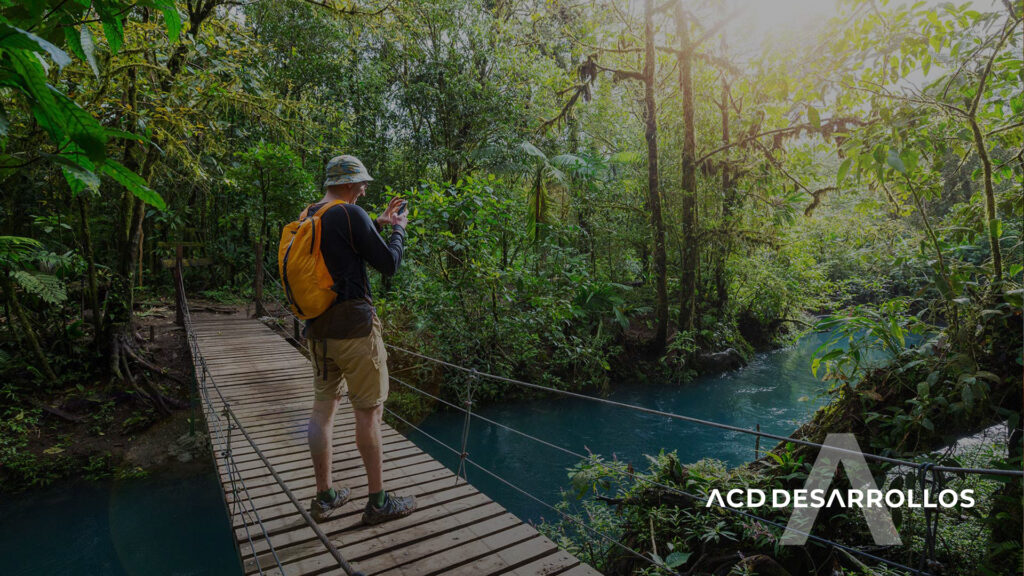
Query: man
(346, 342)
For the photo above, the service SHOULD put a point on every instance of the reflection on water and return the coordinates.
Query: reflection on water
(776, 390)
(173, 526)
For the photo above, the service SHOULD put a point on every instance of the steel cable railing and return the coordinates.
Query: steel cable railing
(711, 424)
(222, 440)
(463, 458)
(895, 461)
(214, 418)
(563, 514)
(923, 467)
(638, 478)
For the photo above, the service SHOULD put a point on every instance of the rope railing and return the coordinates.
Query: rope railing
(222, 439)
(923, 467)
(699, 421)
(709, 423)
(634, 476)
(233, 423)
(463, 457)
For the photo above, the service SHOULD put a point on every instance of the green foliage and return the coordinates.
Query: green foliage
(476, 286)
(45, 286)
(269, 188)
(515, 133)
(80, 138)
(864, 329)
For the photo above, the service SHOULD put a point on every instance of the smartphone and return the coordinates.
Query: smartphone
(401, 209)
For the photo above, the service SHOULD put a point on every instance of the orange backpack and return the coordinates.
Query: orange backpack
(307, 282)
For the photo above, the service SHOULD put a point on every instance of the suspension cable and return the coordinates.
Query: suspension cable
(197, 355)
(564, 514)
(468, 411)
(702, 422)
(642, 479)
(690, 419)
(224, 439)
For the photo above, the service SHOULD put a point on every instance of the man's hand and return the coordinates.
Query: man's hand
(391, 215)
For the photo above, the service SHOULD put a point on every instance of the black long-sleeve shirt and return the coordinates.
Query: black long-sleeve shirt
(346, 256)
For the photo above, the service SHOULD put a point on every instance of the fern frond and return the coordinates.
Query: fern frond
(47, 287)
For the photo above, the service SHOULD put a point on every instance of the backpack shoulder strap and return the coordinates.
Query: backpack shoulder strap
(320, 211)
(351, 240)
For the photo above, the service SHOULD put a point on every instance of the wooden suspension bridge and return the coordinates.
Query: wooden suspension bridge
(257, 392)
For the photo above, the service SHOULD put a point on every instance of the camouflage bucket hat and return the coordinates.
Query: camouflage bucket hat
(345, 169)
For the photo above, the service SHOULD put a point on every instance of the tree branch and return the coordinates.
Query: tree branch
(836, 125)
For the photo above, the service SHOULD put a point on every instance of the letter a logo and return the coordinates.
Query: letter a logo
(841, 448)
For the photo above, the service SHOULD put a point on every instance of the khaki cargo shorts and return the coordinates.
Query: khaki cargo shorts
(358, 364)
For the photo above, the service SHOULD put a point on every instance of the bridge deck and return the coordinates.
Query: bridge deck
(457, 530)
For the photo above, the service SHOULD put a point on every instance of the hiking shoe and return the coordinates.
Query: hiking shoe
(323, 510)
(394, 507)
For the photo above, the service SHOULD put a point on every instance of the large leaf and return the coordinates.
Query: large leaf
(32, 78)
(89, 49)
(16, 38)
(626, 157)
(114, 133)
(80, 179)
(570, 162)
(813, 116)
(113, 29)
(81, 127)
(677, 559)
(171, 18)
(844, 168)
(893, 159)
(134, 183)
(17, 245)
(78, 170)
(74, 40)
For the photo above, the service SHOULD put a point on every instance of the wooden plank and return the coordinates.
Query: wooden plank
(521, 554)
(555, 563)
(344, 460)
(267, 383)
(358, 544)
(428, 558)
(356, 481)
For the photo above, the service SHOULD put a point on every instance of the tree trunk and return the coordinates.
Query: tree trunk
(653, 197)
(990, 202)
(26, 326)
(728, 201)
(90, 259)
(119, 318)
(688, 280)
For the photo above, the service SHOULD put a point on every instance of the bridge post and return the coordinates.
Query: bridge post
(179, 314)
(257, 289)
(468, 403)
